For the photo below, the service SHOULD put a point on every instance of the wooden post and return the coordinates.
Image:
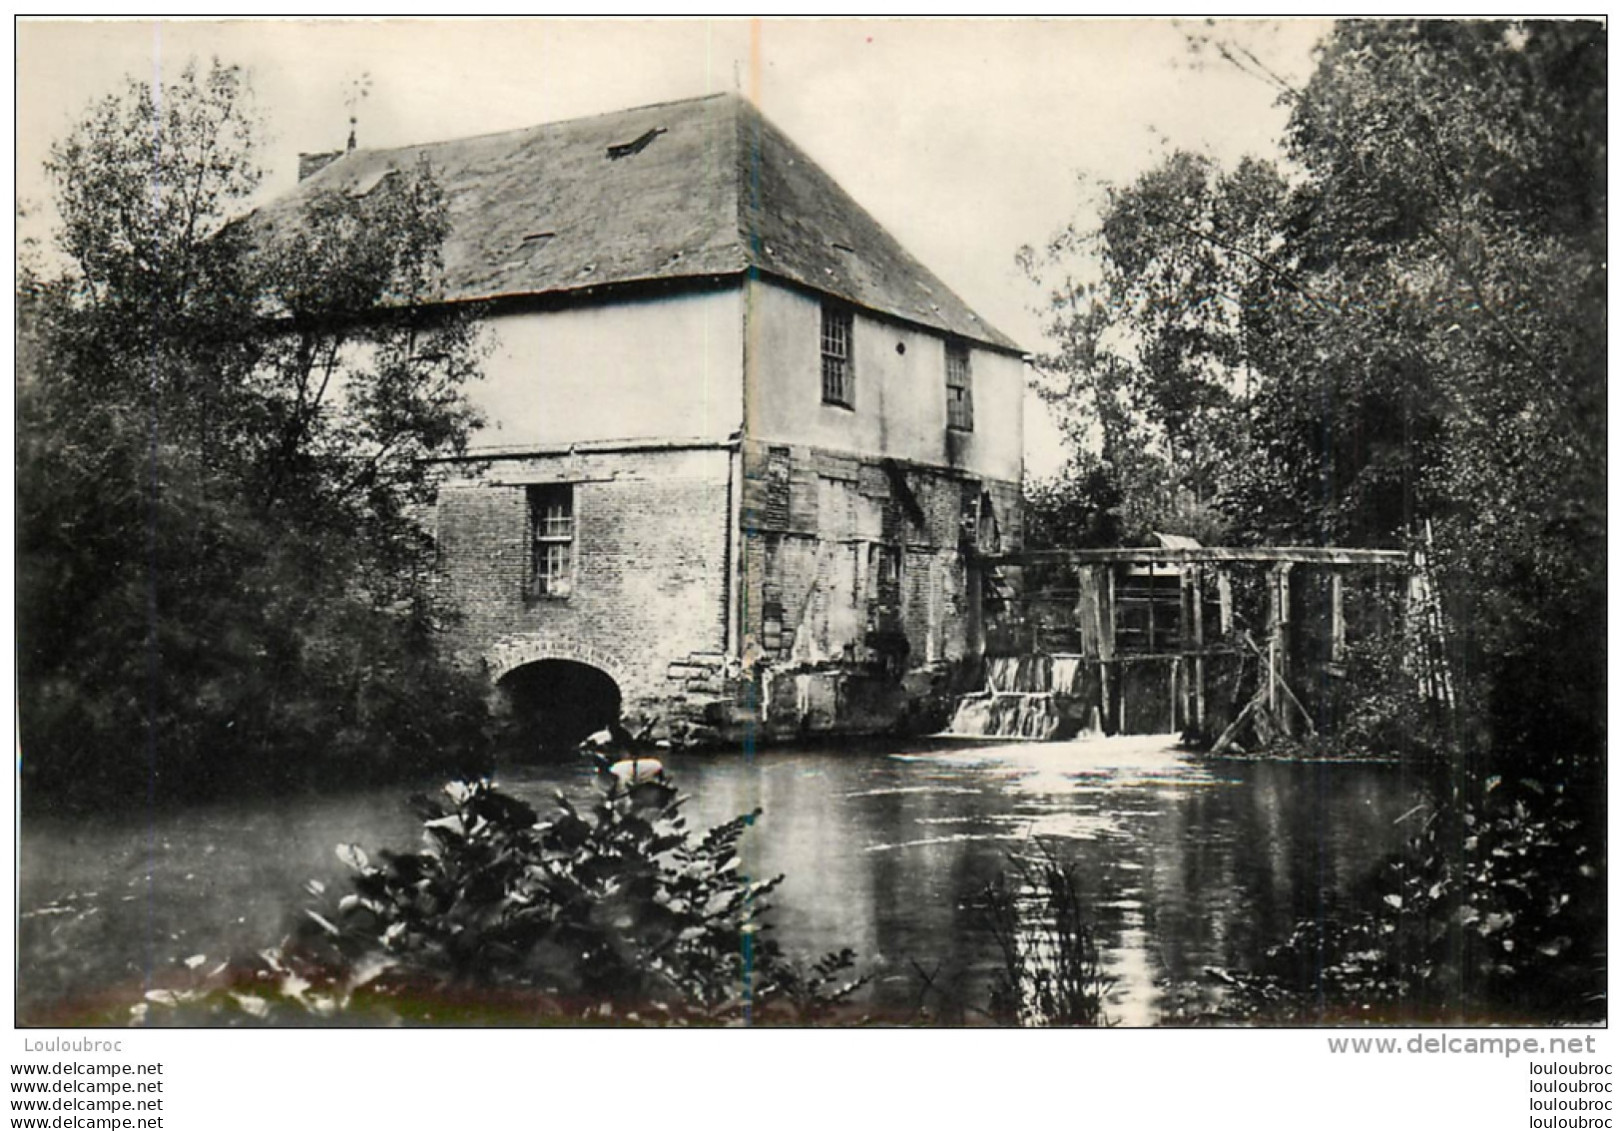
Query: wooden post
(974, 611)
(1272, 635)
(1089, 631)
(1281, 669)
(1176, 670)
(1196, 634)
(1092, 613)
(1106, 647)
(1413, 640)
(1278, 617)
(1337, 617)
(1151, 641)
(1185, 641)
(1106, 612)
(1224, 604)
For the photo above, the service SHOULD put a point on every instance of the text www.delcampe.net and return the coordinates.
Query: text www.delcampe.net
(1425, 1045)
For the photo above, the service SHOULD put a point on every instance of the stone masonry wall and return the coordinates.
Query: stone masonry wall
(649, 564)
(857, 607)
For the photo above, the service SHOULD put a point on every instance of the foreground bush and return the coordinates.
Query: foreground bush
(1493, 914)
(1048, 971)
(1051, 974)
(617, 914)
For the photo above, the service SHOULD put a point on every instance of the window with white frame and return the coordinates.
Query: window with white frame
(551, 524)
(838, 368)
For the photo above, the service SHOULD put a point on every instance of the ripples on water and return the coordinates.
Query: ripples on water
(1186, 864)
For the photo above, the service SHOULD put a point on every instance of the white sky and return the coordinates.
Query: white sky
(965, 138)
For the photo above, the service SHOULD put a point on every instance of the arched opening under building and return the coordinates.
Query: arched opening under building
(554, 705)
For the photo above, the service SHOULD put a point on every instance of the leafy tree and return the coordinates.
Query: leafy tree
(1153, 350)
(1442, 370)
(222, 432)
(1081, 506)
(361, 379)
(1399, 344)
(1454, 206)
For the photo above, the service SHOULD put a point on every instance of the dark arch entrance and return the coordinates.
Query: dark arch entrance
(556, 704)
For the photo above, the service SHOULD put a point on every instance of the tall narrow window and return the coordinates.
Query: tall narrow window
(959, 388)
(551, 524)
(838, 371)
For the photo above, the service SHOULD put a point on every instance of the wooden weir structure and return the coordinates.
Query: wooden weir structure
(1217, 643)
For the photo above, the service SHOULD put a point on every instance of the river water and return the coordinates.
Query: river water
(1185, 864)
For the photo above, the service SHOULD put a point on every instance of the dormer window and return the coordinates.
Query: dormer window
(637, 145)
(959, 388)
(838, 362)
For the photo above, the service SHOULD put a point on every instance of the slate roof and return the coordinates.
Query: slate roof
(699, 188)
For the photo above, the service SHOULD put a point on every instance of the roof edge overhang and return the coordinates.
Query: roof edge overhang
(663, 286)
(550, 450)
(889, 316)
(620, 290)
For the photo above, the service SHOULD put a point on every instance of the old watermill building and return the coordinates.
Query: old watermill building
(741, 448)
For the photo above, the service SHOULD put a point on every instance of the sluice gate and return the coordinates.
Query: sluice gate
(1027, 696)
(1224, 645)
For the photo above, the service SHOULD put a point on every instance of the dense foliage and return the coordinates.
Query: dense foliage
(616, 914)
(1397, 339)
(1493, 914)
(1393, 338)
(222, 427)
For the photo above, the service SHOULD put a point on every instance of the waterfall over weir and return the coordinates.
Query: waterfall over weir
(1035, 696)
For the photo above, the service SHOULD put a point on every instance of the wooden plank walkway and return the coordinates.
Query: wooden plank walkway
(1195, 555)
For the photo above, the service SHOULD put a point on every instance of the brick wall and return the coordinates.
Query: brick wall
(649, 562)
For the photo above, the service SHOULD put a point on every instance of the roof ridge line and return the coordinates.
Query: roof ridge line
(729, 193)
(546, 125)
(759, 260)
(741, 187)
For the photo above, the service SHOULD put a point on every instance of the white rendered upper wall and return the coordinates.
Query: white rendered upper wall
(899, 403)
(658, 368)
(673, 369)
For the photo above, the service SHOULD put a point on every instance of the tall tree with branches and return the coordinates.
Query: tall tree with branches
(1396, 339)
(226, 433)
(1153, 347)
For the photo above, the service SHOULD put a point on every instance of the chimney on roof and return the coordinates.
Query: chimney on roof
(351, 146)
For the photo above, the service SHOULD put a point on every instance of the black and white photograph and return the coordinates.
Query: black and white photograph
(827, 524)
